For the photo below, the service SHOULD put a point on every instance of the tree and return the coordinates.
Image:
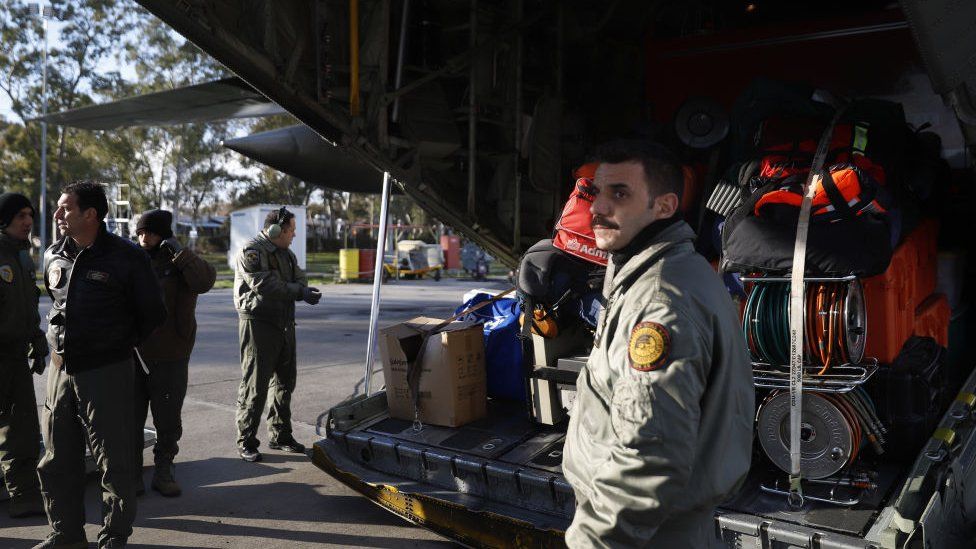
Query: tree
(90, 35)
(186, 165)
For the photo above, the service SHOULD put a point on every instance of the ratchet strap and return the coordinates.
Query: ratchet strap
(413, 367)
(796, 308)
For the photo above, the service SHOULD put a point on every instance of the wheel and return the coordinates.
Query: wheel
(437, 275)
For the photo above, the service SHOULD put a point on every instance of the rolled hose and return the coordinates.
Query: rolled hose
(856, 411)
(833, 323)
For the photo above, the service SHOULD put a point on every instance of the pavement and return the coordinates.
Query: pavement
(283, 501)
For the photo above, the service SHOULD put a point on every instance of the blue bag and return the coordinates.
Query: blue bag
(503, 349)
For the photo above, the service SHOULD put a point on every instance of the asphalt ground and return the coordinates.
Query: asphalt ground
(283, 501)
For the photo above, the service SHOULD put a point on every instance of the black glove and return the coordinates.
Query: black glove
(311, 295)
(171, 245)
(38, 365)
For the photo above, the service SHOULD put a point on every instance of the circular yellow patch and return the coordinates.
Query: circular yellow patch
(649, 346)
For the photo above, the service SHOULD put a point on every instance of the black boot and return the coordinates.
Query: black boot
(287, 443)
(26, 505)
(164, 480)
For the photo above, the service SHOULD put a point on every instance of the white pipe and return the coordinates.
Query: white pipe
(43, 200)
(374, 307)
(401, 52)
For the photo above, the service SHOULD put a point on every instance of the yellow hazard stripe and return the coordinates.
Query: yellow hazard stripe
(948, 436)
(968, 399)
(474, 528)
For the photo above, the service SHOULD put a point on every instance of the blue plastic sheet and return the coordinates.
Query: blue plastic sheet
(503, 350)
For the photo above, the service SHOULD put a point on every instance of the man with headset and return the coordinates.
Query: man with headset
(267, 284)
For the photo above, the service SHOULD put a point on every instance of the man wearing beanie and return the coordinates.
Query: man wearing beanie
(21, 341)
(163, 359)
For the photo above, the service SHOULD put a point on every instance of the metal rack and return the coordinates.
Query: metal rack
(844, 490)
(837, 379)
(786, 278)
(851, 370)
(840, 379)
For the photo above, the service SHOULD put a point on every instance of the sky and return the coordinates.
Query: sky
(127, 70)
(53, 36)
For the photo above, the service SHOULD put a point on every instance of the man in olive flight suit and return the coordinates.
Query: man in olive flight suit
(661, 431)
(267, 283)
(106, 301)
(21, 340)
(162, 372)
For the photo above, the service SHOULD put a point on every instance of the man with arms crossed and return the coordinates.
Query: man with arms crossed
(661, 431)
(106, 301)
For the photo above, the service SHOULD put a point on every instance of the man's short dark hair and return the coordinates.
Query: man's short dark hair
(89, 195)
(662, 169)
(273, 217)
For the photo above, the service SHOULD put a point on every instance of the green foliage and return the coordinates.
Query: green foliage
(182, 164)
(90, 34)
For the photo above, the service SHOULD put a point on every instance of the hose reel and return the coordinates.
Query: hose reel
(834, 430)
(835, 322)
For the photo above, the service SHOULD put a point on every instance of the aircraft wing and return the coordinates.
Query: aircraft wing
(300, 152)
(216, 100)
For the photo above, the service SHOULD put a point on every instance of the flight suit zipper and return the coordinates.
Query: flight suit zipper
(67, 293)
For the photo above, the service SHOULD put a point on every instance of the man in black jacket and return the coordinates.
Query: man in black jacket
(106, 301)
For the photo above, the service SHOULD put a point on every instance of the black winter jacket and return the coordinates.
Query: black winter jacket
(106, 301)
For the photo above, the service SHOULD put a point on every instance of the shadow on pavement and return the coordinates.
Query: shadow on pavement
(221, 497)
(258, 532)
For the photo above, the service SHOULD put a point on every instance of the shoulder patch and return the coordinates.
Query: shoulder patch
(6, 273)
(54, 276)
(252, 259)
(649, 346)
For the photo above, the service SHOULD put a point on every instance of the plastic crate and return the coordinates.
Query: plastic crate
(925, 241)
(890, 300)
(932, 319)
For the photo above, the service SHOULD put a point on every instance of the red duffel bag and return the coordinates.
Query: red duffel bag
(573, 233)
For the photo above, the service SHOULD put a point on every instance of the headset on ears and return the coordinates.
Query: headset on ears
(275, 229)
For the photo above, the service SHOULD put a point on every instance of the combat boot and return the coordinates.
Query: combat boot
(21, 506)
(56, 541)
(164, 481)
(111, 543)
(249, 454)
(287, 443)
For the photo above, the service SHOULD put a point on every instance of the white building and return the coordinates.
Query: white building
(246, 223)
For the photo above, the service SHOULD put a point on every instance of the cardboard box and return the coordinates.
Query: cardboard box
(453, 382)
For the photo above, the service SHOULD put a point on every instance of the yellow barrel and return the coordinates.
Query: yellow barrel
(349, 264)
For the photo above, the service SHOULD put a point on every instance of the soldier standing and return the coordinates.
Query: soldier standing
(162, 373)
(21, 340)
(661, 431)
(106, 300)
(267, 283)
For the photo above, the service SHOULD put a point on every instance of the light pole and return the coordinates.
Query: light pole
(45, 13)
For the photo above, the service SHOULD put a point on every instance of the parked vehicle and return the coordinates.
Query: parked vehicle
(411, 262)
